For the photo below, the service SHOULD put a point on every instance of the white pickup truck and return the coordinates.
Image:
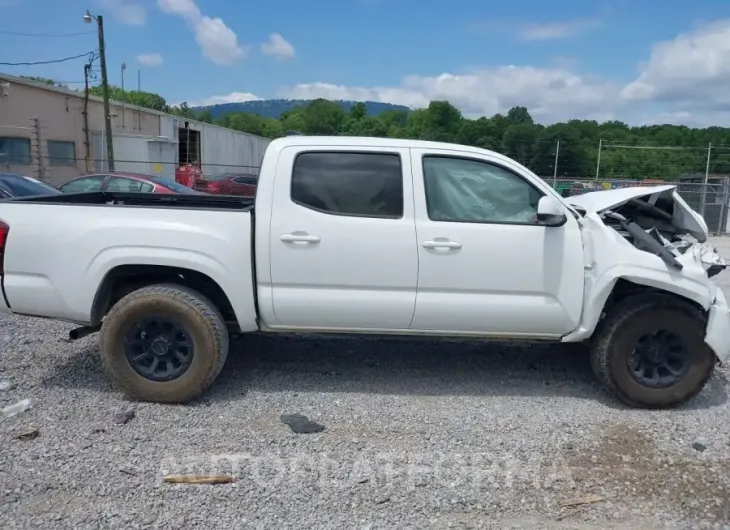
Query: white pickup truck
(374, 236)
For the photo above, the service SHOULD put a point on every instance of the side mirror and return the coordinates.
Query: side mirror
(551, 212)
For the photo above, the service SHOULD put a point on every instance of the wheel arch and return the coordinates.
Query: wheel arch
(124, 279)
(605, 295)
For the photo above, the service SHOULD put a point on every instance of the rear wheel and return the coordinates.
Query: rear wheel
(164, 343)
(650, 351)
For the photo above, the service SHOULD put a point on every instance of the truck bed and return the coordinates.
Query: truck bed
(57, 259)
(217, 202)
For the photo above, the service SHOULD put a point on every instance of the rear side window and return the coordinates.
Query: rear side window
(354, 184)
(129, 185)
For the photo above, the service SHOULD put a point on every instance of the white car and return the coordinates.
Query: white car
(375, 236)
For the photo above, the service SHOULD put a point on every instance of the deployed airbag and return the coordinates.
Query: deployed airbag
(465, 190)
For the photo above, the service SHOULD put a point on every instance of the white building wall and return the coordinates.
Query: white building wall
(225, 150)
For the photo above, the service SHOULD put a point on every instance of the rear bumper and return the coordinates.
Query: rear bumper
(717, 335)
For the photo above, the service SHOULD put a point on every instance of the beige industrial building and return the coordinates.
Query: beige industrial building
(55, 134)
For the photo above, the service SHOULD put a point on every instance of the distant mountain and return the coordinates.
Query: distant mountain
(272, 108)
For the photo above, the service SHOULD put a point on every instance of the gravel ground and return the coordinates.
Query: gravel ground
(417, 434)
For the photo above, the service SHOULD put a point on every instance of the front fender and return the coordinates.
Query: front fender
(596, 297)
(612, 258)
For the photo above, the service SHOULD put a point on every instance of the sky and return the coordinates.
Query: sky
(639, 61)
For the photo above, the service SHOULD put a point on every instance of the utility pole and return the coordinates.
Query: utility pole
(139, 81)
(555, 165)
(598, 164)
(124, 109)
(87, 143)
(88, 17)
(703, 197)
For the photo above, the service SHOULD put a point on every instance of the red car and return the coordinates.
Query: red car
(124, 182)
(242, 184)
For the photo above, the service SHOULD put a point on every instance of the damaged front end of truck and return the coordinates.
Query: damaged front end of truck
(653, 238)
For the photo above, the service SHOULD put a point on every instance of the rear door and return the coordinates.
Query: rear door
(342, 239)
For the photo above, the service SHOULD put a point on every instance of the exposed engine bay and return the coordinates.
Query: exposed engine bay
(655, 220)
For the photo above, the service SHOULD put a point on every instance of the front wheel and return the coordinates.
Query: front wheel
(650, 352)
(164, 343)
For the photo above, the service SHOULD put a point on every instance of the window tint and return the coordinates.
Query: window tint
(129, 185)
(14, 151)
(20, 186)
(171, 184)
(61, 153)
(83, 184)
(363, 184)
(250, 180)
(463, 190)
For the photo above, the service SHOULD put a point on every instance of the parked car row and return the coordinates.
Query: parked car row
(124, 182)
(13, 185)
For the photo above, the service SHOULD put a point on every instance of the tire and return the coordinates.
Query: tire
(614, 343)
(202, 331)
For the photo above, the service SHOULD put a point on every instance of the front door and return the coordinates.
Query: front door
(485, 265)
(342, 239)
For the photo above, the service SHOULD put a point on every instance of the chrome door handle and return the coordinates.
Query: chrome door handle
(300, 238)
(441, 244)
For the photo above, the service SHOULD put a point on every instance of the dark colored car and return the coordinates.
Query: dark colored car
(124, 182)
(12, 185)
(243, 184)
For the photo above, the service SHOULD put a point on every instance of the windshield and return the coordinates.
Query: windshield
(20, 186)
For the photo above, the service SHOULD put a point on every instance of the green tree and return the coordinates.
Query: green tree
(519, 116)
(358, 111)
(147, 100)
(518, 142)
(206, 116)
(323, 117)
(480, 133)
(183, 110)
(240, 121)
(44, 81)
(514, 134)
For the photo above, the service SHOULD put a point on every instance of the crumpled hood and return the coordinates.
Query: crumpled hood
(684, 218)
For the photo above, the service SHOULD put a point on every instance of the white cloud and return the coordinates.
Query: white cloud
(126, 11)
(690, 72)
(278, 47)
(550, 94)
(233, 97)
(217, 41)
(557, 30)
(150, 59)
(684, 81)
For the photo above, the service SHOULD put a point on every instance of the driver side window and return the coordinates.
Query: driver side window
(472, 191)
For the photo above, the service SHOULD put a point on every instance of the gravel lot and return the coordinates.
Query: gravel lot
(418, 435)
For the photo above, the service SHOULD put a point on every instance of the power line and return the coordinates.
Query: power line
(50, 62)
(50, 35)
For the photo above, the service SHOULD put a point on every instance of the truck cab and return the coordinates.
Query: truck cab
(402, 236)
